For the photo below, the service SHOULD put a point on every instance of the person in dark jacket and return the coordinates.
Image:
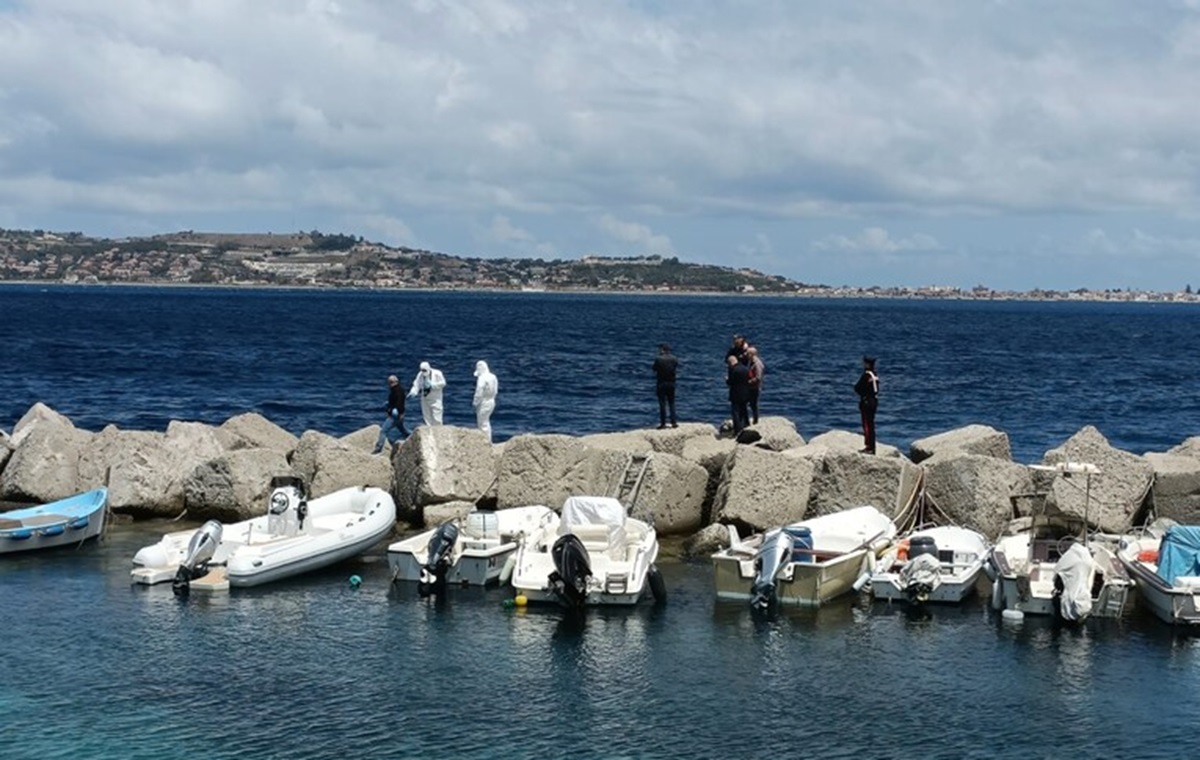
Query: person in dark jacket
(393, 426)
(867, 389)
(665, 365)
(738, 380)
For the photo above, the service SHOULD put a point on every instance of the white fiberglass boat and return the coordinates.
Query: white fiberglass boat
(805, 563)
(1166, 566)
(937, 564)
(468, 552)
(594, 555)
(295, 536)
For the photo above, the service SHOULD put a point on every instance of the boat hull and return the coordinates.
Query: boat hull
(1171, 604)
(801, 584)
(952, 590)
(67, 522)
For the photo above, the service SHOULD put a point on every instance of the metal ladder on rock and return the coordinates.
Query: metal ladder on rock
(631, 480)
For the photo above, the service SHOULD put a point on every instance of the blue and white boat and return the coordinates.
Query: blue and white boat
(58, 523)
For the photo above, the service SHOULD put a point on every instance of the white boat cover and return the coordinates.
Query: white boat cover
(1075, 568)
(924, 568)
(592, 510)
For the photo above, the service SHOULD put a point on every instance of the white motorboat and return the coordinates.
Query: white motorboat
(295, 536)
(936, 564)
(806, 563)
(594, 555)
(468, 552)
(1048, 564)
(1166, 567)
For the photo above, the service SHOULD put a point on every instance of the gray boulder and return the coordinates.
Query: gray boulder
(707, 541)
(546, 469)
(972, 439)
(254, 431)
(35, 416)
(843, 480)
(1117, 495)
(441, 463)
(45, 465)
(364, 439)
(763, 489)
(841, 441)
(671, 494)
(773, 433)
(975, 490)
(6, 448)
(328, 464)
(436, 514)
(234, 486)
(1176, 490)
(1189, 448)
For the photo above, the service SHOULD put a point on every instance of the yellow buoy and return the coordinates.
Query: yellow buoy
(521, 600)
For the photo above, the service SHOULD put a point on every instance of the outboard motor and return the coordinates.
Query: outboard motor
(572, 569)
(201, 548)
(288, 506)
(922, 573)
(773, 556)
(437, 564)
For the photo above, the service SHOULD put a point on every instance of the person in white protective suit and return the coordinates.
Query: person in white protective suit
(486, 388)
(428, 384)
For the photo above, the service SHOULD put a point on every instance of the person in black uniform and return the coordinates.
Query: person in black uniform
(738, 380)
(867, 389)
(665, 365)
(393, 426)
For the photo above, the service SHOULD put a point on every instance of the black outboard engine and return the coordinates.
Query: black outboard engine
(288, 506)
(437, 564)
(200, 550)
(572, 569)
(773, 556)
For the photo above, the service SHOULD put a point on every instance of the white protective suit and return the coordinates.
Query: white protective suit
(486, 388)
(428, 385)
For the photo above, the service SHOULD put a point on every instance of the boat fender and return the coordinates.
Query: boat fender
(990, 569)
(506, 570)
(862, 580)
(1013, 616)
(997, 595)
(355, 581)
(657, 586)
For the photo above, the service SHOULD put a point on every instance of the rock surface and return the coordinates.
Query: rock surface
(972, 439)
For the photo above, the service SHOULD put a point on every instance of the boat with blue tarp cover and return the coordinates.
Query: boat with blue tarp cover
(58, 523)
(1165, 562)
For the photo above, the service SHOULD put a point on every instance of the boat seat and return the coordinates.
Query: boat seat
(601, 537)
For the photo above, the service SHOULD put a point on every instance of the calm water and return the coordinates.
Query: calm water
(95, 668)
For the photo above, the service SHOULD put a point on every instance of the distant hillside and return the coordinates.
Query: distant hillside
(340, 260)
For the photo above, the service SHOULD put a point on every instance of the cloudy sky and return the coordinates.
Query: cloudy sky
(1010, 144)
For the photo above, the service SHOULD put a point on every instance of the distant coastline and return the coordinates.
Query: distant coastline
(315, 261)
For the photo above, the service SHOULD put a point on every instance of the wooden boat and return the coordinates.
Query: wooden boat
(295, 536)
(468, 552)
(806, 563)
(1166, 567)
(58, 523)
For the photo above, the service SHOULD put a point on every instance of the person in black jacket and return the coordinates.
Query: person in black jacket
(665, 365)
(738, 380)
(867, 389)
(393, 426)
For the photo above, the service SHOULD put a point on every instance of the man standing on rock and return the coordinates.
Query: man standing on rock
(393, 426)
(867, 389)
(664, 369)
(738, 380)
(428, 384)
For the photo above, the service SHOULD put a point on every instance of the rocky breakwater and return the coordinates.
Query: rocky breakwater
(690, 481)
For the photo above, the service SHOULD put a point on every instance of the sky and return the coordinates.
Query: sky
(1015, 145)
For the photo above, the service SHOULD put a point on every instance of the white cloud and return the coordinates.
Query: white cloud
(639, 239)
(876, 240)
(503, 231)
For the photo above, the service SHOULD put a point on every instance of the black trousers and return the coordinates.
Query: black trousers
(666, 402)
(867, 407)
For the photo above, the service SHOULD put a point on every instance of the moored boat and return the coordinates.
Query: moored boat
(594, 555)
(807, 563)
(936, 564)
(1166, 566)
(58, 523)
(468, 552)
(295, 536)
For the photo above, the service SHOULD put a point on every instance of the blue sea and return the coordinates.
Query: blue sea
(313, 668)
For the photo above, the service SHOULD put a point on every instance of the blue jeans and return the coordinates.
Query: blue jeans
(391, 431)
